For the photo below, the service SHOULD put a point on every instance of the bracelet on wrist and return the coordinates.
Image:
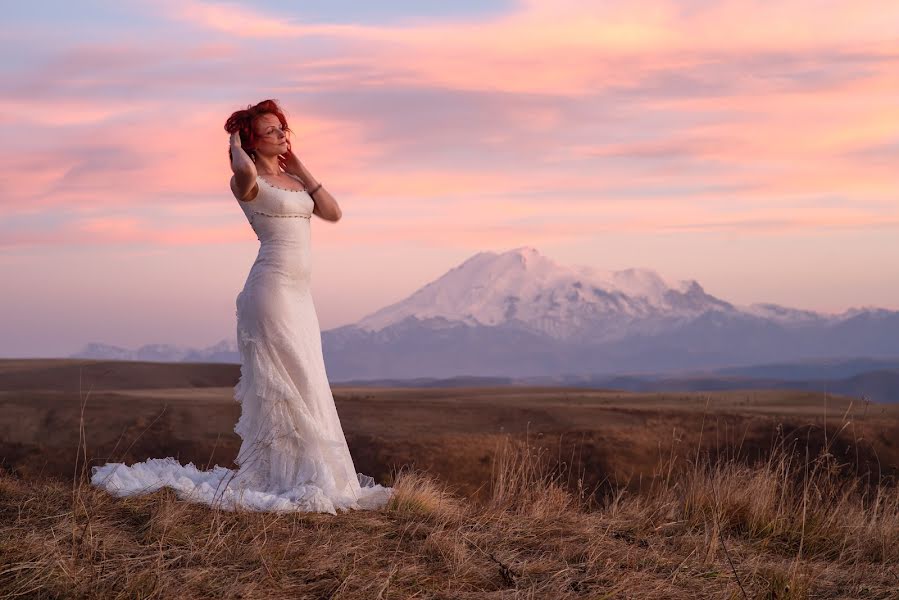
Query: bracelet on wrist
(315, 189)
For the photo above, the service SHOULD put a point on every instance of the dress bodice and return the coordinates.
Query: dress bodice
(275, 211)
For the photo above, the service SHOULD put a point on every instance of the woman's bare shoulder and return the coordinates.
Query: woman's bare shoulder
(251, 195)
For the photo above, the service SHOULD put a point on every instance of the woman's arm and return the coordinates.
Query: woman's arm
(326, 206)
(243, 167)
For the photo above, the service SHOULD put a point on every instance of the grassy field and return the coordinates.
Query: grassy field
(501, 493)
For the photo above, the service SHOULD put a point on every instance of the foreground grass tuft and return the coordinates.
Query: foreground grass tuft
(791, 526)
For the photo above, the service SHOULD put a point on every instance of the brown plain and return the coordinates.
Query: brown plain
(138, 410)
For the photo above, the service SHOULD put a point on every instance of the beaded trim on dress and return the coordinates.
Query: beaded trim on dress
(264, 214)
(280, 188)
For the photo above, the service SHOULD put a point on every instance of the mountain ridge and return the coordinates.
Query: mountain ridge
(518, 313)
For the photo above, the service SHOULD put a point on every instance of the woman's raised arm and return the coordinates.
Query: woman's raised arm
(243, 167)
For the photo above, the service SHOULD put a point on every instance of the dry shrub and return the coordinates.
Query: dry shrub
(524, 481)
(417, 495)
(779, 583)
(791, 503)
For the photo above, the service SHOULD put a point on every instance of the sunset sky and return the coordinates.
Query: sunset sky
(752, 146)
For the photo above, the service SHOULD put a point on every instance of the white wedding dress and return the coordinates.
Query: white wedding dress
(293, 455)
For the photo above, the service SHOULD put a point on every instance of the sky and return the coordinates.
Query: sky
(752, 146)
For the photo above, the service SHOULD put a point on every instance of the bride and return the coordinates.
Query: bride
(293, 455)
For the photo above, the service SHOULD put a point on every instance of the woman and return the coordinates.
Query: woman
(293, 454)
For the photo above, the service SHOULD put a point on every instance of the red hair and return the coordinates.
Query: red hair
(244, 119)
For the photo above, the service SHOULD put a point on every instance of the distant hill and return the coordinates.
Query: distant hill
(826, 368)
(66, 375)
(877, 385)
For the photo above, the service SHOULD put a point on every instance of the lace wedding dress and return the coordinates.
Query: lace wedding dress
(293, 455)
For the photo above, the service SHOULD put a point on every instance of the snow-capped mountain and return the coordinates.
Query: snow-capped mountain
(525, 288)
(565, 302)
(783, 314)
(519, 314)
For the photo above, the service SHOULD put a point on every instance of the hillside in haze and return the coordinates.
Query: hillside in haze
(520, 314)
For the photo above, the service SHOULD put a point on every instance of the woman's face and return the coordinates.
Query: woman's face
(271, 140)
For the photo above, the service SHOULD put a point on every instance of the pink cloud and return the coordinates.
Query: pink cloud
(568, 47)
(129, 231)
(767, 144)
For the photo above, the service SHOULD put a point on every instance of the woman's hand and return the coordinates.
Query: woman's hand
(240, 160)
(290, 162)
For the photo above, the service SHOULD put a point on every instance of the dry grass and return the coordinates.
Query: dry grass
(790, 526)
